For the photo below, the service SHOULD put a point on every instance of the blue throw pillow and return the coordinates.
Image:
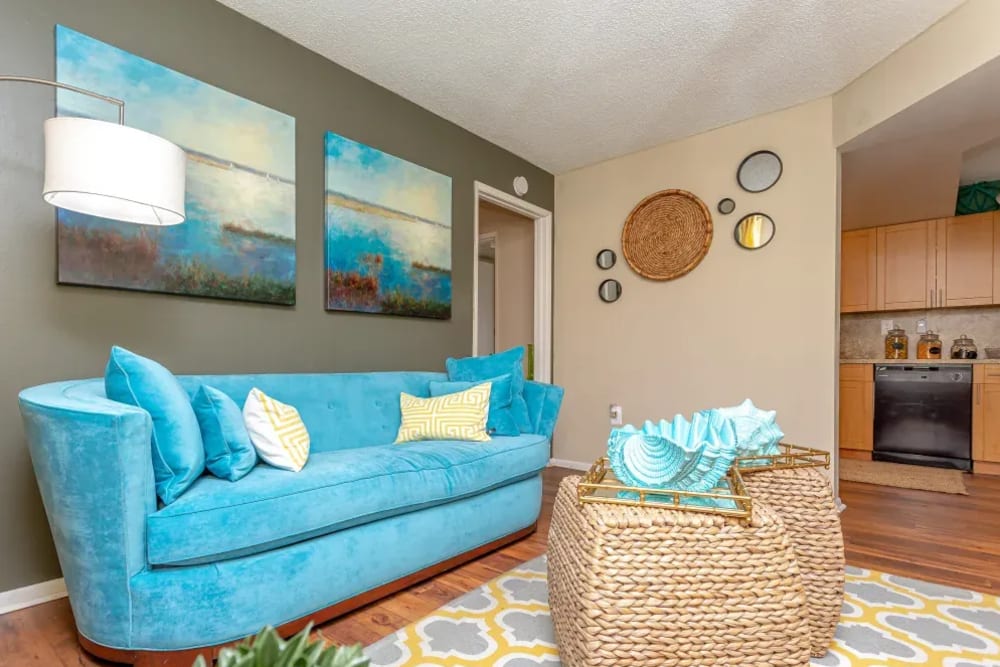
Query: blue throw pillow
(500, 420)
(178, 453)
(229, 453)
(481, 369)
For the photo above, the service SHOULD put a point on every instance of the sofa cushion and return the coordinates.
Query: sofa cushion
(178, 452)
(216, 520)
(480, 369)
(229, 454)
(500, 420)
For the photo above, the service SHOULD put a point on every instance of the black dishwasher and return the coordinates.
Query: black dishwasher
(923, 415)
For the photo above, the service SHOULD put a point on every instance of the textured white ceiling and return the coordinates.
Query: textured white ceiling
(566, 83)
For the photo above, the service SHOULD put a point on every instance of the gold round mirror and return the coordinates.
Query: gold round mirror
(754, 231)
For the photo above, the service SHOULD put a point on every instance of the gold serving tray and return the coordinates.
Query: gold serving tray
(791, 456)
(600, 485)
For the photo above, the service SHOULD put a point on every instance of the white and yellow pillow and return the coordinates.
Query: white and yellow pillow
(276, 431)
(458, 416)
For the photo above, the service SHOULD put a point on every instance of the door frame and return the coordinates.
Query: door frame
(483, 238)
(543, 271)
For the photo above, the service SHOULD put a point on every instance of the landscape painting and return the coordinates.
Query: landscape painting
(238, 241)
(388, 233)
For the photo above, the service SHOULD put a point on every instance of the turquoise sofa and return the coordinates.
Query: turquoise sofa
(362, 519)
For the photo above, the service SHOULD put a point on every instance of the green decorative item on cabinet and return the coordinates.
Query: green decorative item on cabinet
(268, 649)
(978, 198)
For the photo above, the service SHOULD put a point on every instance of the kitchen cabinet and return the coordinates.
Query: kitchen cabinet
(857, 410)
(857, 271)
(965, 261)
(986, 419)
(905, 263)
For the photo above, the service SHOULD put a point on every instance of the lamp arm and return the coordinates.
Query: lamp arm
(83, 91)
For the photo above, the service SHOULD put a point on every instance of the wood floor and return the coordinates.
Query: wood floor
(933, 536)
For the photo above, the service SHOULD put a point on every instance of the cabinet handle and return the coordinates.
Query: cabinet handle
(941, 298)
(930, 297)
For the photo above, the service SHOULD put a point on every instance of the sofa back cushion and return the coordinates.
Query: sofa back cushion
(178, 452)
(340, 410)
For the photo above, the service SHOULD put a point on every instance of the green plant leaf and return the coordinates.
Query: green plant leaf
(266, 648)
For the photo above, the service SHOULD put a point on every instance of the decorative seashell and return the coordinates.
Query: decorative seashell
(757, 433)
(680, 454)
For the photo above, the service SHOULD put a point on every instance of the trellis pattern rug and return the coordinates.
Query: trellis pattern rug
(887, 620)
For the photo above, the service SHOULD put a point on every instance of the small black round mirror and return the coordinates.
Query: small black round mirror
(759, 171)
(606, 258)
(726, 206)
(754, 231)
(609, 291)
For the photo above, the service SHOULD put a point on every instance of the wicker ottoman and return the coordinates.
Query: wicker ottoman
(804, 500)
(634, 586)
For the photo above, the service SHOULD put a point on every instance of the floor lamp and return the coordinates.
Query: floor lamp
(109, 169)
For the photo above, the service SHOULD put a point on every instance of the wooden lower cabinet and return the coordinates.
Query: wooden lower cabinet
(986, 419)
(857, 410)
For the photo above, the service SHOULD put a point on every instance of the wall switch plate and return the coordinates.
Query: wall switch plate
(616, 415)
(921, 326)
(887, 325)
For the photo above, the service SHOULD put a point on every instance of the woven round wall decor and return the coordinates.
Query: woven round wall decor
(667, 234)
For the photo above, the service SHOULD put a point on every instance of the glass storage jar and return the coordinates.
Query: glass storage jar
(929, 346)
(897, 345)
(964, 348)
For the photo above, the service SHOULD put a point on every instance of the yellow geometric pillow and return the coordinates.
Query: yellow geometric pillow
(458, 416)
(276, 431)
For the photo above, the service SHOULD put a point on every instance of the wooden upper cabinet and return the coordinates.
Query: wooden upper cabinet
(857, 271)
(905, 265)
(965, 261)
(996, 257)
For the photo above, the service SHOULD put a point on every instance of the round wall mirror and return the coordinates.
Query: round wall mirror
(754, 231)
(759, 171)
(726, 206)
(609, 291)
(606, 258)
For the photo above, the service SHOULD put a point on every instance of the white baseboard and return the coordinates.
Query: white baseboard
(29, 596)
(566, 463)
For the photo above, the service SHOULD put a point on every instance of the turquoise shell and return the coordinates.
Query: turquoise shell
(680, 454)
(757, 432)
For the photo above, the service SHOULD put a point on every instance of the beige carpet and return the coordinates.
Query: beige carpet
(903, 476)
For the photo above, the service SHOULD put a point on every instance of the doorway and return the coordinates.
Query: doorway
(520, 234)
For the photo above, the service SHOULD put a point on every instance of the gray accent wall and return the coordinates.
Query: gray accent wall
(50, 332)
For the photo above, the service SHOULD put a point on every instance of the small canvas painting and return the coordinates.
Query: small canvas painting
(388, 233)
(238, 241)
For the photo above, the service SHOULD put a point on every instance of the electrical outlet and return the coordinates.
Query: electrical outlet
(921, 326)
(616, 415)
(887, 325)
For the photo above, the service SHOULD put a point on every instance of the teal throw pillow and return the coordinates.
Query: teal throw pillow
(481, 369)
(500, 420)
(229, 453)
(178, 453)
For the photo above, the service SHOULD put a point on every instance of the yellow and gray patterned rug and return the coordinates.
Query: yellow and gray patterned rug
(887, 621)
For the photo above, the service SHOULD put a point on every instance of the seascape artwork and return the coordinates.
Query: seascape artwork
(238, 241)
(388, 233)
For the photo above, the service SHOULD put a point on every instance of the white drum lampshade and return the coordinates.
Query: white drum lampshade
(113, 171)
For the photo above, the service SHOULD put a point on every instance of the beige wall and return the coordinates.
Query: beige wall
(515, 274)
(899, 182)
(954, 46)
(758, 324)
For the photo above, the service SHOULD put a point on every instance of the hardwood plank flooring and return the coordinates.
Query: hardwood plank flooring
(938, 537)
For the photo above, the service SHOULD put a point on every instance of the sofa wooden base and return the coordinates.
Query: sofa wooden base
(186, 657)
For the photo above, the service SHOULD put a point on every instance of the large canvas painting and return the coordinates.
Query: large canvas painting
(238, 241)
(388, 233)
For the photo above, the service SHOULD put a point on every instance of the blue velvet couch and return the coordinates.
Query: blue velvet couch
(362, 519)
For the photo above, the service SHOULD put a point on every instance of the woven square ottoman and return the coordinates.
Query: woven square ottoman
(803, 499)
(650, 587)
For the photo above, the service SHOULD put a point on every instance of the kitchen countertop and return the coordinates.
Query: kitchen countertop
(920, 362)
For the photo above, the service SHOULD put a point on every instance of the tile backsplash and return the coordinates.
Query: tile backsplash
(861, 333)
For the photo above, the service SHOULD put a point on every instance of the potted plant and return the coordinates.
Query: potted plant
(268, 649)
